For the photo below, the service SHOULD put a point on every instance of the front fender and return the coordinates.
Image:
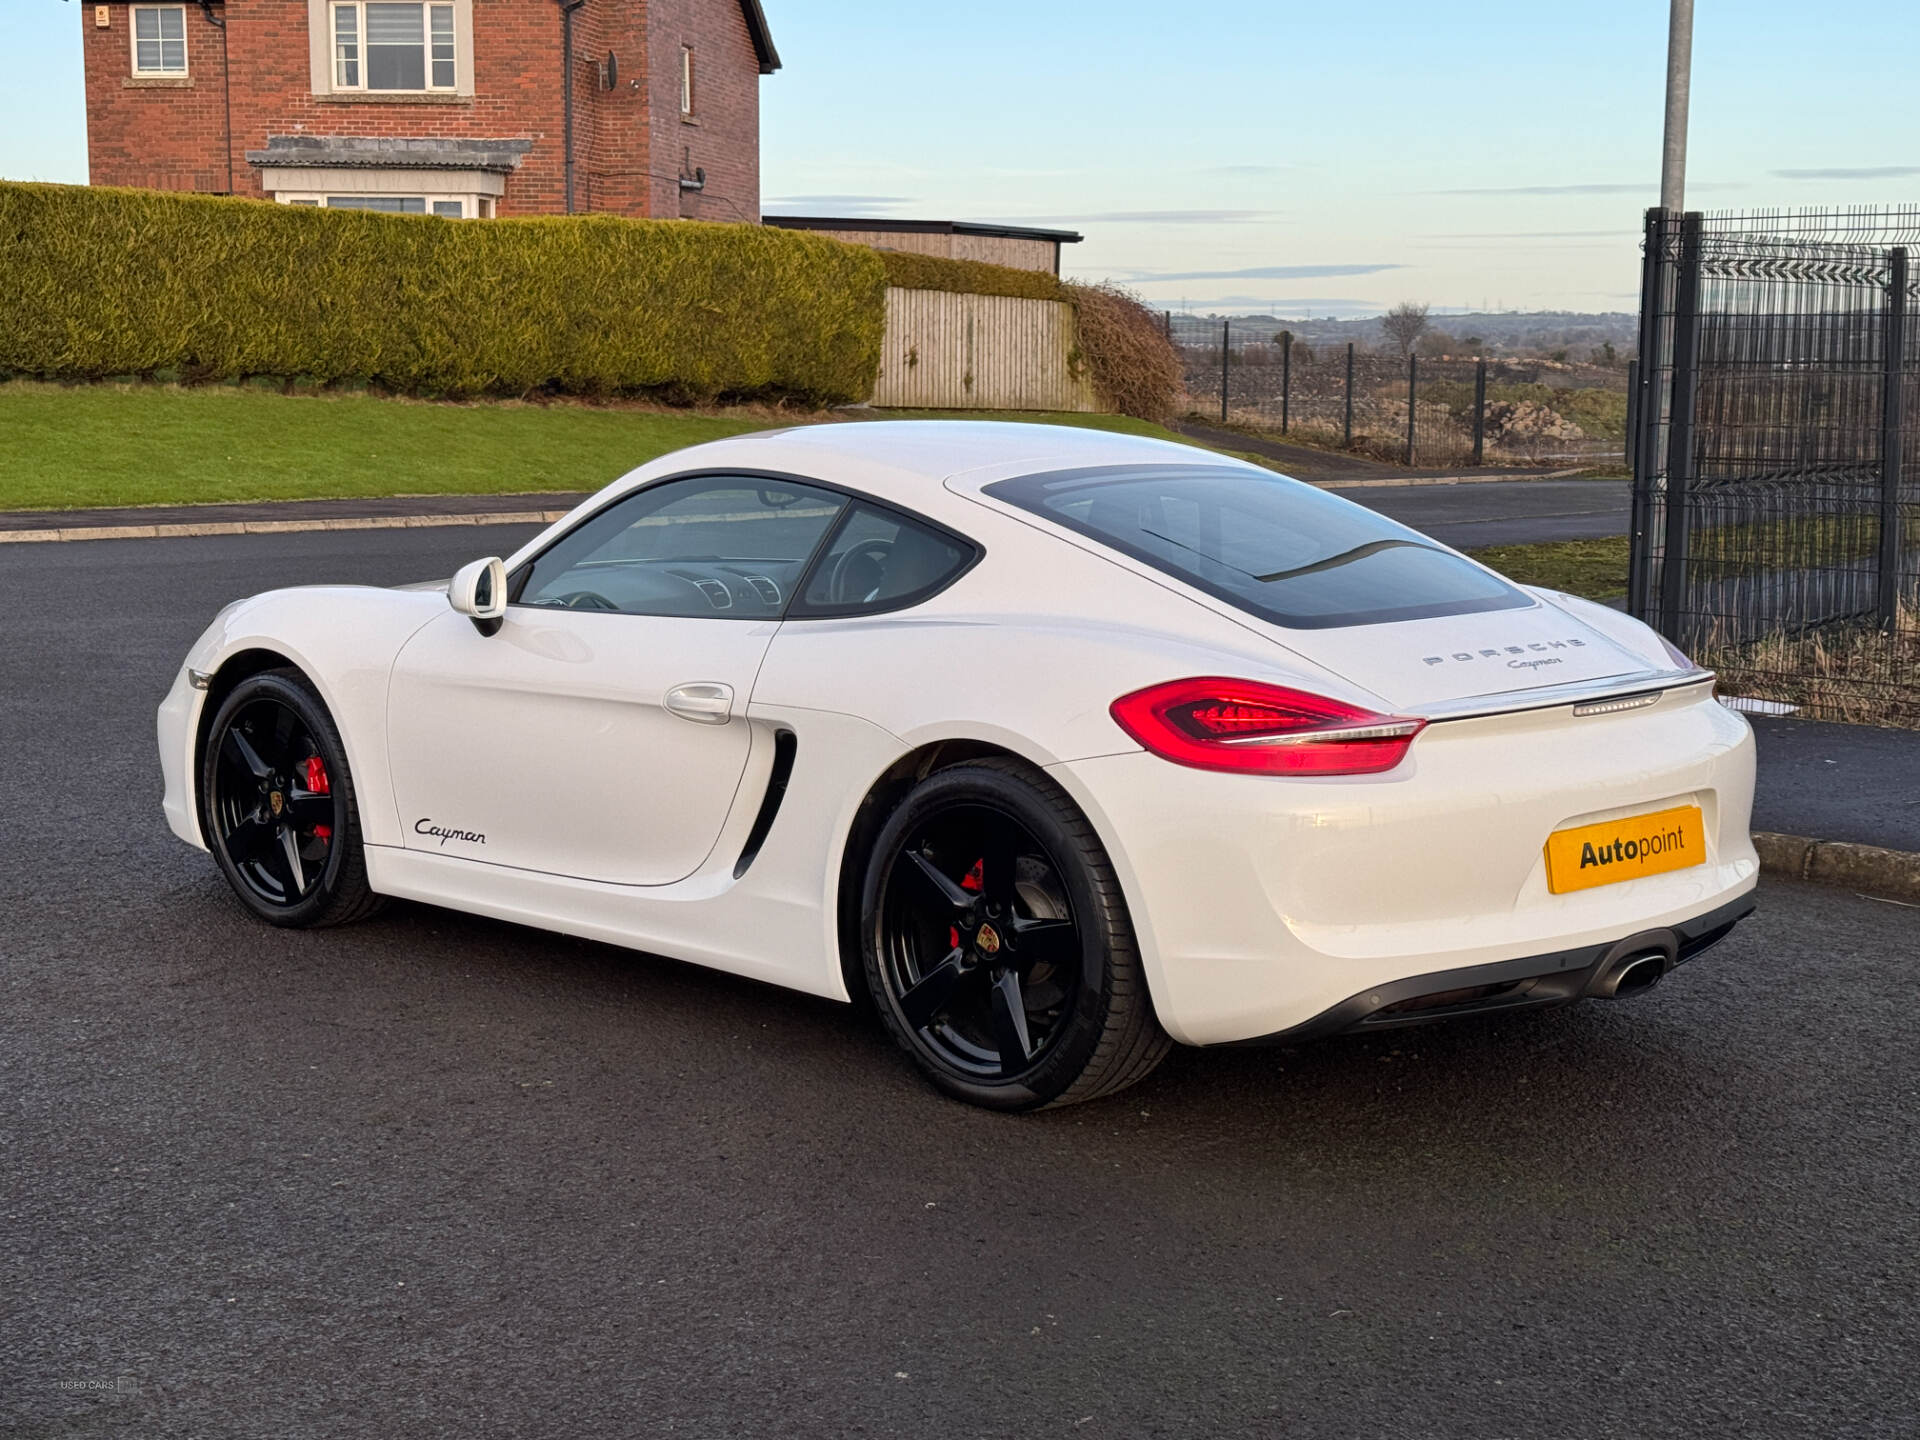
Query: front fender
(344, 639)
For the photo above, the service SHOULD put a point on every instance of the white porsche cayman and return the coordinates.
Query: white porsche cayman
(1057, 744)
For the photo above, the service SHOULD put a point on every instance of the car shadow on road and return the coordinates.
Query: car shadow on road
(1609, 1083)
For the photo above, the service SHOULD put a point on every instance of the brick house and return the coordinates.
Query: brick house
(451, 107)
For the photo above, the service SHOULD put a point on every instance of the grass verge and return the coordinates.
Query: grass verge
(141, 444)
(1594, 569)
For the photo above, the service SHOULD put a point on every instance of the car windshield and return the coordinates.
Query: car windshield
(1274, 547)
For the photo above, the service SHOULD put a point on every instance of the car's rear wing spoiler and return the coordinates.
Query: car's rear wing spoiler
(1578, 692)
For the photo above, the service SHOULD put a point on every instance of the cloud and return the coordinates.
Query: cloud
(1146, 217)
(1258, 272)
(1298, 310)
(1869, 172)
(1644, 187)
(850, 205)
(1636, 189)
(1319, 308)
(1249, 169)
(1529, 235)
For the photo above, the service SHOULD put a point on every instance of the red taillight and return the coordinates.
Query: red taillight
(1255, 729)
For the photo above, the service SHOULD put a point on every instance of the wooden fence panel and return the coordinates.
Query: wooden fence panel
(979, 352)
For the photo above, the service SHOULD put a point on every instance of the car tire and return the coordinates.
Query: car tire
(284, 832)
(943, 926)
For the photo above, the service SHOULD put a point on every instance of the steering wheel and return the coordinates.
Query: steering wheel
(587, 600)
(859, 572)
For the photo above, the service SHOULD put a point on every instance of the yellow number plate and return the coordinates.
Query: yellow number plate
(1616, 850)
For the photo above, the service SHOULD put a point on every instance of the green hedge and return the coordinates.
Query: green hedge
(969, 277)
(97, 282)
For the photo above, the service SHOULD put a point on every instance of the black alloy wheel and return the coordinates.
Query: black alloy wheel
(278, 804)
(998, 947)
(979, 941)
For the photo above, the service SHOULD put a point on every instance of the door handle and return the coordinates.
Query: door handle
(705, 702)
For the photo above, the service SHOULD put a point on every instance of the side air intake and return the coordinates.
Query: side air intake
(784, 748)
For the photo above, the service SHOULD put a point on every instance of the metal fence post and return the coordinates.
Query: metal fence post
(1347, 437)
(1413, 368)
(1480, 412)
(1642, 433)
(1686, 385)
(1893, 411)
(1226, 354)
(1169, 319)
(1286, 377)
(1633, 407)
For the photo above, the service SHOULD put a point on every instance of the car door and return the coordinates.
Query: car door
(600, 731)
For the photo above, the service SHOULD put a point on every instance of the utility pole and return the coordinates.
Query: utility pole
(1673, 154)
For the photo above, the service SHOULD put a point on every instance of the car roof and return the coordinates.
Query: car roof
(906, 463)
(921, 454)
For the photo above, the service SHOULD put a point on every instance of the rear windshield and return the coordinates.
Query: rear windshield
(1271, 546)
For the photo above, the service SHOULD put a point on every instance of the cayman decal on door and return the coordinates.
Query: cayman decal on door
(446, 833)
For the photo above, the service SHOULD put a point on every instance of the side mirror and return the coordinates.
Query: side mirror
(479, 591)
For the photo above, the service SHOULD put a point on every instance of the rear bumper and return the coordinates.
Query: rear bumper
(1263, 903)
(1528, 984)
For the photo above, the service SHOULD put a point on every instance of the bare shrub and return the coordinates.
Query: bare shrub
(1124, 346)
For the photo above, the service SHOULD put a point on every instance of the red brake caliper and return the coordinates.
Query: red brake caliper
(318, 783)
(974, 879)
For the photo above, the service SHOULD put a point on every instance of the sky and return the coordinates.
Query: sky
(1303, 159)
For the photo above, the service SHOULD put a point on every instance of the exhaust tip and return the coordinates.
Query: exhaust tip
(1632, 975)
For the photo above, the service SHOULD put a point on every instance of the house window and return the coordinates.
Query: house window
(447, 207)
(346, 47)
(391, 204)
(384, 45)
(159, 39)
(686, 82)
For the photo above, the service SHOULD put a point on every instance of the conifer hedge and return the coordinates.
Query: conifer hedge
(99, 282)
(907, 271)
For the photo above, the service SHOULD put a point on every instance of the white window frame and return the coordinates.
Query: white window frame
(133, 43)
(687, 100)
(472, 206)
(336, 72)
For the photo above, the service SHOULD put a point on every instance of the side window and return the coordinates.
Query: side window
(881, 561)
(710, 546)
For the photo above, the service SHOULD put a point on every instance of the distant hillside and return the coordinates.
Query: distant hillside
(1535, 333)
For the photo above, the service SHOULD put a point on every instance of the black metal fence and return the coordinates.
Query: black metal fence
(1414, 409)
(1776, 530)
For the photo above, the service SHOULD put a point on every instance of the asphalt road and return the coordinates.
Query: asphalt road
(434, 1175)
(1495, 512)
(1839, 782)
